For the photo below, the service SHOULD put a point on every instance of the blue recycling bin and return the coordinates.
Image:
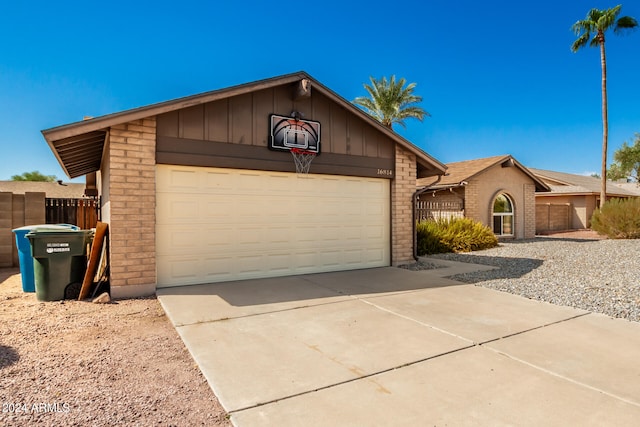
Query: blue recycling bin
(24, 251)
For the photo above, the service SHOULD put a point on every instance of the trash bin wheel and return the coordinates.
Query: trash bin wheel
(72, 291)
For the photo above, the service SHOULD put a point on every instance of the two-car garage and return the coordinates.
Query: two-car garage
(203, 189)
(215, 224)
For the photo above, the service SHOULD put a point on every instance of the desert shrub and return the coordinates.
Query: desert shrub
(453, 235)
(429, 241)
(618, 219)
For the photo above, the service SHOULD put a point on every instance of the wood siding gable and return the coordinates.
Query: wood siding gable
(234, 132)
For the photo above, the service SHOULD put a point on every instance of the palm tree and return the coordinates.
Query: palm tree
(391, 102)
(596, 23)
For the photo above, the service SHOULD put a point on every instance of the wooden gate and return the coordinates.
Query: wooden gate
(80, 212)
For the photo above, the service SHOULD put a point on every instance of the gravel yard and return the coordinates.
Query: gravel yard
(601, 276)
(81, 364)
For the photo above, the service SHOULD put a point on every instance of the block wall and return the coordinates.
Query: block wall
(131, 208)
(402, 188)
(17, 210)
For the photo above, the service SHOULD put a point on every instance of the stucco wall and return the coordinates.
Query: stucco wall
(483, 188)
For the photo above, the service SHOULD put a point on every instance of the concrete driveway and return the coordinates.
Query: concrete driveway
(394, 347)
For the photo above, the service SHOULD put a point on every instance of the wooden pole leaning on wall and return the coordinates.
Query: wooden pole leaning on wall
(94, 259)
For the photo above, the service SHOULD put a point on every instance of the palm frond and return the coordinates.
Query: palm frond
(594, 15)
(580, 42)
(391, 101)
(625, 23)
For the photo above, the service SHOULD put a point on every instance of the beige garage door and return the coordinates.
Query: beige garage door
(216, 225)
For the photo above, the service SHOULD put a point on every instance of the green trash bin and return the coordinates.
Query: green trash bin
(59, 262)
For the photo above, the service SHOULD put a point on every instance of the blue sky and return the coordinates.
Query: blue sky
(497, 76)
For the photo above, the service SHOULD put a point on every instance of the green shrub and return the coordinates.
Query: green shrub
(618, 219)
(453, 235)
(429, 241)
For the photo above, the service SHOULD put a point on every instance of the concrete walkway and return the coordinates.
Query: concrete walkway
(395, 347)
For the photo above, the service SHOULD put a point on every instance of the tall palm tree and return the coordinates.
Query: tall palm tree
(596, 23)
(391, 102)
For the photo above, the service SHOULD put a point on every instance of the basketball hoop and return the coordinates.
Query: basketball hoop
(302, 159)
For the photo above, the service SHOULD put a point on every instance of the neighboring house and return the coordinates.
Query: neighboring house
(571, 201)
(197, 189)
(496, 191)
(633, 187)
(52, 190)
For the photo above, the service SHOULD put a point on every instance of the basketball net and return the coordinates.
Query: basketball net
(302, 159)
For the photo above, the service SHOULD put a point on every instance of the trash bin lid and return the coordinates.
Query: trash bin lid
(51, 227)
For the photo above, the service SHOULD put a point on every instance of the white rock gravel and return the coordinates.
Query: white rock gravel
(601, 276)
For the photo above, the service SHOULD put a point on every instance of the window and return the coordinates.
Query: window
(503, 216)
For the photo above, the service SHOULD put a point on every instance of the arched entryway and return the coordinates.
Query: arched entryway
(503, 215)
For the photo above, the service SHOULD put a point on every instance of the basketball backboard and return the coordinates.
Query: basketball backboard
(290, 132)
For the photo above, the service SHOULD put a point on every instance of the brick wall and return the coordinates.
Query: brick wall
(472, 202)
(131, 207)
(402, 188)
(529, 196)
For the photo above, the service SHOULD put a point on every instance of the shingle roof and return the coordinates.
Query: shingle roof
(52, 190)
(566, 183)
(458, 172)
(633, 187)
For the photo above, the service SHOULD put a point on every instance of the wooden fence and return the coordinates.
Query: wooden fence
(428, 209)
(81, 212)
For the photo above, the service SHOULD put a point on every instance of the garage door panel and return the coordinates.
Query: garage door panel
(249, 264)
(180, 268)
(279, 262)
(179, 179)
(375, 231)
(225, 224)
(217, 181)
(177, 209)
(352, 234)
(217, 269)
(216, 210)
(354, 257)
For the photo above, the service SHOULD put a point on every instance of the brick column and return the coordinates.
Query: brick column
(132, 199)
(402, 188)
(529, 191)
(471, 203)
